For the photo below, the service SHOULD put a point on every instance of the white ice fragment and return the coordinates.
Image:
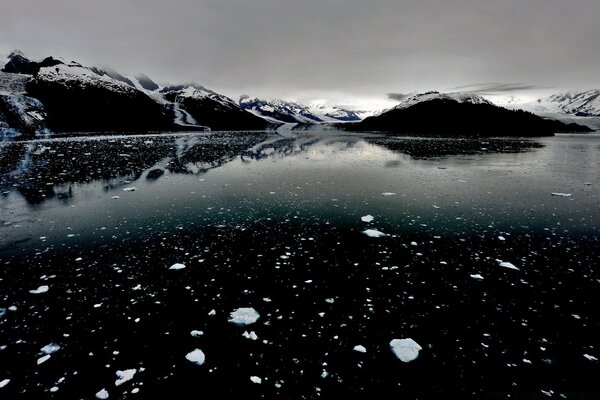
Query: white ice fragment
(508, 265)
(43, 359)
(360, 348)
(413, 243)
(476, 276)
(54, 389)
(251, 335)
(102, 394)
(330, 300)
(12, 308)
(405, 349)
(590, 357)
(41, 289)
(501, 238)
(130, 189)
(561, 194)
(196, 356)
(388, 194)
(267, 299)
(115, 197)
(4, 383)
(367, 218)
(374, 233)
(177, 266)
(255, 379)
(212, 312)
(196, 333)
(124, 376)
(244, 316)
(50, 348)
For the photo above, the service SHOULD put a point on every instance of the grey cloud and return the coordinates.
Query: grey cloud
(291, 48)
(397, 96)
(497, 88)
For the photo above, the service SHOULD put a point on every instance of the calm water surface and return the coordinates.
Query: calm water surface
(277, 223)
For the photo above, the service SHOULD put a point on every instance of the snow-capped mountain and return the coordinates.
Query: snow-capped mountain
(68, 96)
(582, 104)
(428, 96)
(292, 112)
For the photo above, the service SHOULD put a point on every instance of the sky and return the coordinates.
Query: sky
(349, 52)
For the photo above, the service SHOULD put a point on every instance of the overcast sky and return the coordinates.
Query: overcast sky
(340, 50)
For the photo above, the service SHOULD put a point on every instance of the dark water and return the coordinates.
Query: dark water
(274, 223)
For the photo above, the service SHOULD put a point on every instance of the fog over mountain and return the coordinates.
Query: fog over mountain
(348, 52)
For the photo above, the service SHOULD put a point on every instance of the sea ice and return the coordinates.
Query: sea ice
(196, 356)
(251, 335)
(374, 233)
(102, 394)
(255, 379)
(244, 316)
(41, 289)
(367, 218)
(4, 383)
(508, 265)
(590, 357)
(405, 349)
(124, 376)
(50, 348)
(561, 194)
(43, 359)
(196, 333)
(360, 348)
(177, 266)
(130, 189)
(388, 194)
(477, 276)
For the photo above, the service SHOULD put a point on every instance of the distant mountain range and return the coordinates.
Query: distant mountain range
(459, 114)
(53, 95)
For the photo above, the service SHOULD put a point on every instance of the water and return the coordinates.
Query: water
(274, 223)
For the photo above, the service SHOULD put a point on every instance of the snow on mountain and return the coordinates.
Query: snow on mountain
(428, 96)
(582, 104)
(198, 92)
(292, 112)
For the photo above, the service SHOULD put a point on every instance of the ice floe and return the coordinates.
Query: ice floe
(102, 394)
(360, 348)
(177, 266)
(50, 348)
(251, 335)
(476, 276)
(405, 349)
(255, 379)
(130, 189)
(244, 316)
(561, 194)
(388, 194)
(590, 357)
(196, 356)
(506, 264)
(39, 290)
(4, 383)
(43, 359)
(196, 333)
(124, 376)
(374, 233)
(367, 218)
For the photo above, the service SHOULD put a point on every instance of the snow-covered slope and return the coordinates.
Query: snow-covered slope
(582, 104)
(428, 96)
(292, 112)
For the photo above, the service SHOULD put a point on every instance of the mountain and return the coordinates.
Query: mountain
(215, 110)
(291, 112)
(68, 96)
(581, 104)
(460, 115)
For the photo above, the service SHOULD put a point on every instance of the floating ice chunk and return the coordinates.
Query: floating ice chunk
(130, 189)
(374, 233)
(124, 376)
(405, 349)
(330, 300)
(212, 313)
(388, 194)
(4, 383)
(244, 316)
(476, 276)
(102, 394)
(267, 299)
(196, 333)
(360, 348)
(50, 348)
(54, 389)
(251, 335)
(12, 308)
(367, 218)
(590, 357)
(508, 265)
(414, 244)
(177, 266)
(196, 356)
(115, 197)
(43, 359)
(501, 238)
(255, 379)
(561, 194)
(2, 312)
(41, 289)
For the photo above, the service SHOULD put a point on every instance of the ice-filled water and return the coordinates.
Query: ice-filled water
(123, 256)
